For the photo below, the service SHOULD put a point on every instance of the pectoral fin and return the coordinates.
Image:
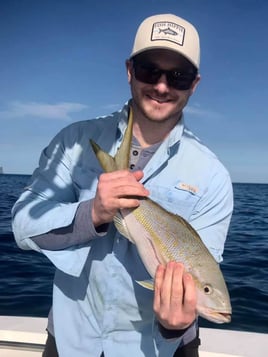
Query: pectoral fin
(147, 284)
(121, 226)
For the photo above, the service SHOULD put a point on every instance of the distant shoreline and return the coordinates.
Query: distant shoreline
(7, 174)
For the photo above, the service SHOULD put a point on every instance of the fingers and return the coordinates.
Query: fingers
(138, 175)
(190, 296)
(122, 184)
(159, 278)
(175, 296)
(116, 190)
(171, 288)
(168, 289)
(121, 189)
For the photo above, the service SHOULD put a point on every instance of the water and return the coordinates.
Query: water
(26, 276)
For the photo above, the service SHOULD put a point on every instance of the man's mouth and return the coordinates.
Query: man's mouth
(159, 100)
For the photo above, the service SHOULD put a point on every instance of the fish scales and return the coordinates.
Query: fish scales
(165, 228)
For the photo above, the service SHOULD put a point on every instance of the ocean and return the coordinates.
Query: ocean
(26, 276)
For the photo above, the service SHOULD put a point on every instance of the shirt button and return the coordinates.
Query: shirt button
(132, 166)
(135, 152)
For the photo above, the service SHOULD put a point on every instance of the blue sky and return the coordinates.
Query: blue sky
(62, 61)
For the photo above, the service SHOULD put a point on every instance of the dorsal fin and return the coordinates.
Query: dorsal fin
(122, 156)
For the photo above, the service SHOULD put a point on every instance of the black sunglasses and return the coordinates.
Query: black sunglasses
(148, 73)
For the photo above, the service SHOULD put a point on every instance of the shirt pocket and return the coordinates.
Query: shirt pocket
(180, 199)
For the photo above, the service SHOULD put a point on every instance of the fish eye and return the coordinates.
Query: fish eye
(207, 289)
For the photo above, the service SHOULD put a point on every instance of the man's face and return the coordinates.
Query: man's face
(160, 101)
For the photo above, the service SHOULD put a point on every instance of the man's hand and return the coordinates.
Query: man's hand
(175, 297)
(116, 190)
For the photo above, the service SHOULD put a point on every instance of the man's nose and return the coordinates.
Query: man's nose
(162, 83)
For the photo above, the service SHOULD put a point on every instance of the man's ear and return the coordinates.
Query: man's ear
(129, 67)
(195, 83)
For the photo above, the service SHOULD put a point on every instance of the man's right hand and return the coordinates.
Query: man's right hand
(116, 190)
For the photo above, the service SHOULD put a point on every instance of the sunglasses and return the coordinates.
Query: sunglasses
(148, 73)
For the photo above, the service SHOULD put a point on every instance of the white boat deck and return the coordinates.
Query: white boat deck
(26, 336)
(22, 336)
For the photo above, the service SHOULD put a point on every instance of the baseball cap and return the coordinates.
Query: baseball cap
(170, 32)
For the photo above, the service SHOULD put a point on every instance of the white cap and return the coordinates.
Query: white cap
(169, 32)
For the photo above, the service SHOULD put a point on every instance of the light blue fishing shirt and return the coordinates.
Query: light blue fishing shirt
(97, 304)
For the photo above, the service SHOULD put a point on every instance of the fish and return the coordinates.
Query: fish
(161, 236)
(168, 31)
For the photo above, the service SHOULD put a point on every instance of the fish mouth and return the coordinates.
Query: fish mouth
(218, 317)
(223, 317)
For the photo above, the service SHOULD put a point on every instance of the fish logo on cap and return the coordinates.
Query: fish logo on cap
(168, 31)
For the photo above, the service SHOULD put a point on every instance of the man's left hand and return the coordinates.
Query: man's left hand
(175, 297)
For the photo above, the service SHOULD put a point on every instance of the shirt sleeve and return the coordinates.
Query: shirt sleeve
(168, 334)
(168, 341)
(80, 231)
(50, 202)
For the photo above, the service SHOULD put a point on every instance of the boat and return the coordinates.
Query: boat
(22, 336)
(1, 170)
(26, 337)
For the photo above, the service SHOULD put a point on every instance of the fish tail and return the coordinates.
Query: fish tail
(106, 161)
(121, 160)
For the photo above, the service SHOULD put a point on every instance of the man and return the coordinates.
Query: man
(67, 211)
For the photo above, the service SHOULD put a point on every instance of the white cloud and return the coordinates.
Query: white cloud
(112, 106)
(60, 111)
(197, 111)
